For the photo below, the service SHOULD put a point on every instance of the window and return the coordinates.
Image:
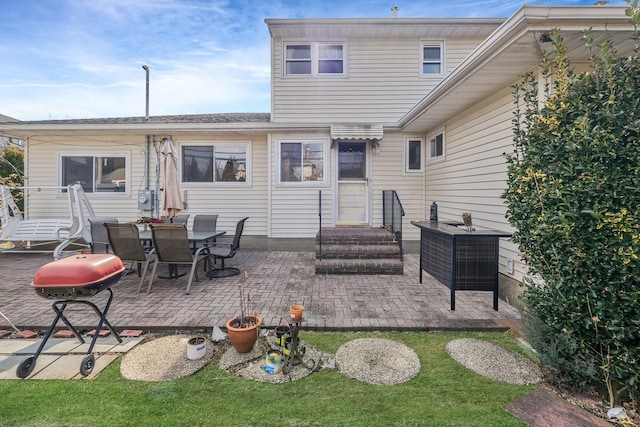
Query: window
(219, 163)
(432, 62)
(436, 147)
(96, 174)
(314, 58)
(302, 161)
(413, 155)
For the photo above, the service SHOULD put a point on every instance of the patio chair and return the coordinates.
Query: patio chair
(171, 243)
(99, 236)
(204, 222)
(126, 245)
(225, 248)
(178, 219)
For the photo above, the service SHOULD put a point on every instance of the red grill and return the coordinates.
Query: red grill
(79, 276)
(68, 281)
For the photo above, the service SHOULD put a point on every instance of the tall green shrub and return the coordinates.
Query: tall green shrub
(574, 196)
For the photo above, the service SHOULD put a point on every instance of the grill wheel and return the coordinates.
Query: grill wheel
(88, 362)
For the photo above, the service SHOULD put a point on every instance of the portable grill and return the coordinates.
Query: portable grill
(68, 281)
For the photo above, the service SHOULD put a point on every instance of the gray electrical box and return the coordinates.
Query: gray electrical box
(145, 200)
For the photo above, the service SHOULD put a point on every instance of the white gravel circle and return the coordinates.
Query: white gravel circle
(377, 361)
(162, 359)
(494, 361)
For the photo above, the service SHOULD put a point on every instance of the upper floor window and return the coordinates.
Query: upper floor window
(209, 163)
(413, 155)
(96, 173)
(302, 161)
(432, 59)
(314, 58)
(436, 146)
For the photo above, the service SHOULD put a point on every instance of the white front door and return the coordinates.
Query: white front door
(353, 183)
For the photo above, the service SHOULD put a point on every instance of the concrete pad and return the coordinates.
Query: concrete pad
(57, 367)
(61, 358)
(542, 408)
(18, 346)
(8, 366)
(102, 361)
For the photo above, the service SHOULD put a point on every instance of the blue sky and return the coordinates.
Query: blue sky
(66, 59)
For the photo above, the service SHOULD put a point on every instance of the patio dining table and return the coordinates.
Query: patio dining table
(194, 238)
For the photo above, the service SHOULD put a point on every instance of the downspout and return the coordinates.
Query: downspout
(147, 137)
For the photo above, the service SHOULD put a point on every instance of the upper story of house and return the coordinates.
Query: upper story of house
(364, 70)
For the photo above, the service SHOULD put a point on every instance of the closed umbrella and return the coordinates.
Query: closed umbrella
(171, 198)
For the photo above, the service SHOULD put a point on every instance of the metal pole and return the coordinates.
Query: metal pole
(147, 139)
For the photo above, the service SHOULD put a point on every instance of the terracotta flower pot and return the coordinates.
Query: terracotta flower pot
(296, 312)
(243, 339)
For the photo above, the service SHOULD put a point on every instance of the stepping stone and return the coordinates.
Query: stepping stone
(64, 334)
(4, 333)
(131, 333)
(26, 334)
(103, 333)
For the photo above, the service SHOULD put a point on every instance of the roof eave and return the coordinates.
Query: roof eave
(527, 21)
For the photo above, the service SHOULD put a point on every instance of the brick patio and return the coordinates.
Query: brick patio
(277, 279)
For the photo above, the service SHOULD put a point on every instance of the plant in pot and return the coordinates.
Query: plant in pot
(243, 330)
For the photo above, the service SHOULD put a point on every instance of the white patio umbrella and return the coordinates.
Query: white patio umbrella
(171, 197)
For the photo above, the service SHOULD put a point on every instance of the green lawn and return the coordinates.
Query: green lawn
(443, 394)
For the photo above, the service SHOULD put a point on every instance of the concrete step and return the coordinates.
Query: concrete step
(351, 251)
(359, 266)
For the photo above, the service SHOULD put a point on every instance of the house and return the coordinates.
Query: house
(420, 106)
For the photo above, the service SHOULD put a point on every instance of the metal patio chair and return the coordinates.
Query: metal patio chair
(99, 236)
(126, 245)
(224, 248)
(178, 219)
(204, 222)
(171, 243)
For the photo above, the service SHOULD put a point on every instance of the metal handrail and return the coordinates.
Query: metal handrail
(320, 224)
(392, 213)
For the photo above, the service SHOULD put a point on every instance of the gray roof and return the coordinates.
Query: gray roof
(6, 119)
(188, 118)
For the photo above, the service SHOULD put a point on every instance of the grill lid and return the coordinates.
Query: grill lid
(80, 270)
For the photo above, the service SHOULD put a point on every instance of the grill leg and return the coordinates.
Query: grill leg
(27, 365)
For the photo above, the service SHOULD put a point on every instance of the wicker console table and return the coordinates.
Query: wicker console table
(461, 260)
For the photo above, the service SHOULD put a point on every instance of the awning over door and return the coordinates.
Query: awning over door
(359, 132)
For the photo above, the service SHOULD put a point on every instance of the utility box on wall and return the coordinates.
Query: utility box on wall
(145, 200)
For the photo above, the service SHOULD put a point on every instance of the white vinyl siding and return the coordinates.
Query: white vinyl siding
(473, 176)
(294, 206)
(386, 174)
(384, 82)
(231, 203)
(43, 172)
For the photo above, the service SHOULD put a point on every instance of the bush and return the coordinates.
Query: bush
(573, 196)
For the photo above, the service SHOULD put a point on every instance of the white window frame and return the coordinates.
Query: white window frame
(217, 144)
(94, 154)
(423, 61)
(407, 154)
(314, 59)
(325, 162)
(431, 140)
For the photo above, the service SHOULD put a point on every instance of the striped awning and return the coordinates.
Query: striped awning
(360, 132)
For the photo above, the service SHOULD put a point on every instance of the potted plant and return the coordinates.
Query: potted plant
(243, 330)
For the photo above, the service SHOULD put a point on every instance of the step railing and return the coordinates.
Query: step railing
(319, 255)
(392, 213)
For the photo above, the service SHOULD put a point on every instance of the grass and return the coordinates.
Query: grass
(443, 394)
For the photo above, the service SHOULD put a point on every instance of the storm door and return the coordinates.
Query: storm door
(353, 183)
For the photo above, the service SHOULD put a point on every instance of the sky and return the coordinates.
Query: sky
(72, 59)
